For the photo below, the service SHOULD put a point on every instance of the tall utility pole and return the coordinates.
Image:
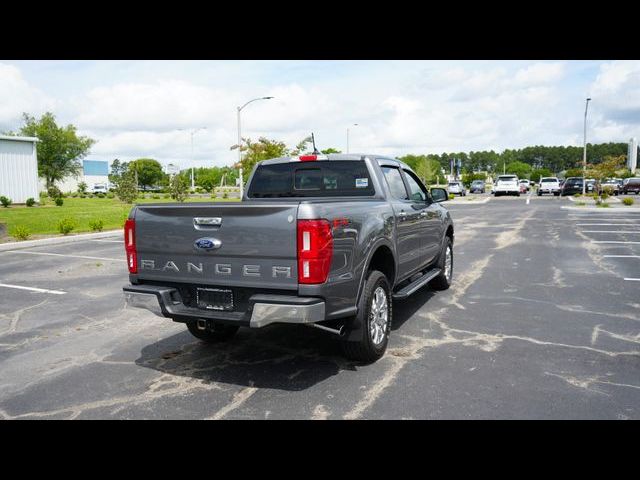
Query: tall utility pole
(584, 153)
(239, 146)
(355, 125)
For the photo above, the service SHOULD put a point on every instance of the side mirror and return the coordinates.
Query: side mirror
(439, 195)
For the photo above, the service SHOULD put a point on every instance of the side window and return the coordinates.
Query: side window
(396, 185)
(417, 192)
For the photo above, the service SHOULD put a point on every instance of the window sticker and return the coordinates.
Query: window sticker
(362, 182)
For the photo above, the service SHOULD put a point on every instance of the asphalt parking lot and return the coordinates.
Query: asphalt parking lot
(543, 322)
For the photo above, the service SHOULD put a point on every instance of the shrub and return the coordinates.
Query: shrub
(580, 204)
(82, 195)
(111, 195)
(100, 195)
(59, 201)
(600, 204)
(54, 192)
(42, 194)
(628, 201)
(74, 194)
(451, 196)
(155, 196)
(577, 195)
(66, 225)
(96, 225)
(82, 187)
(225, 195)
(5, 201)
(30, 202)
(20, 232)
(166, 195)
(604, 195)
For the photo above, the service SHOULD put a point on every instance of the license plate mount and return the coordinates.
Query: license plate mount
(218, 299)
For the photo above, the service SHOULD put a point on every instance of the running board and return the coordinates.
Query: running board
(417, 284)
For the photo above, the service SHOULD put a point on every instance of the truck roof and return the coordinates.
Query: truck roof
(335, 157)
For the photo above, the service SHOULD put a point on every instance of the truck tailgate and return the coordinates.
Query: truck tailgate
(255, 244)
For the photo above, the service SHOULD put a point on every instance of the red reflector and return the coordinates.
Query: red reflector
(340, 222)
(308, 158)
(315, 250)
(130, 245)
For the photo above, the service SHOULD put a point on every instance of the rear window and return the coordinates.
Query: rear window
(311, 179)
(549, 180)
(573, 181)
(507, 178)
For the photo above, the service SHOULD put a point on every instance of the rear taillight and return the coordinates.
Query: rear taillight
(130, 245)
(315, 250)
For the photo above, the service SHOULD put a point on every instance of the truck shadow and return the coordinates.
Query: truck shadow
(280, 357)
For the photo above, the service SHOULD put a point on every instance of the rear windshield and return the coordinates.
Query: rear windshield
(549, 180)
(507, 178)
(573, 181)
(633, 181)
(311, 179)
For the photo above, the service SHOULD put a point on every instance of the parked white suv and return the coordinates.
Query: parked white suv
(507, 185)
(457, 187)
(99, 188)
(549, 185)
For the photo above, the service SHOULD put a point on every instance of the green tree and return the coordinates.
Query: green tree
(521, 169)
(126, 187)
(328, 151)
(149, 171)
(178, 188)
(60, 149)
(263, 149)
(538, 173)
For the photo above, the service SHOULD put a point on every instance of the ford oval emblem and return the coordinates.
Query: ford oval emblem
(207, 243)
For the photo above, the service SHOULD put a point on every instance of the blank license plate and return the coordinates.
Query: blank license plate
(214, 299)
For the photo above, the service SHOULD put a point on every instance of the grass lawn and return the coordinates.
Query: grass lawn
(43, 220)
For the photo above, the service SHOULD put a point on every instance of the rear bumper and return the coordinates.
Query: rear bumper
(263, 309)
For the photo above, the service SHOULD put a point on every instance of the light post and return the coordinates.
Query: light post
(239, 146)
(355, 125)
(192, 133)
(584, 152)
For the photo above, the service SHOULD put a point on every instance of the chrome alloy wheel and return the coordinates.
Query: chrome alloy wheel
(448, 264)
(379, 316)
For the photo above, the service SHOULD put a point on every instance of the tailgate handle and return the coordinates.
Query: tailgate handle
(207, 221)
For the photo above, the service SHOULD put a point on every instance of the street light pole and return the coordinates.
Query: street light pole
(584, 152)
(240, 141)
(355, 125)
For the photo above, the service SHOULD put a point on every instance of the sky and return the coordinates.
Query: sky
(148, 108)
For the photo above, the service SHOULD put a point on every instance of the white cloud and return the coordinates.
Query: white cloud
(18, 96)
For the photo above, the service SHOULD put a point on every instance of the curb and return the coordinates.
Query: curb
(468, 202)
(605, 210)
(5, 247)
(610, 199)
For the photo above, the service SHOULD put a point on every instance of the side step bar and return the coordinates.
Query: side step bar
(417, 284)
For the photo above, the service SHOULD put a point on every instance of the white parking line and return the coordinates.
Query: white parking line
(71, 256)
(621, 256)
(613, 241)
(109, 241)
(33, 289)
(632, 279)
(604, 224)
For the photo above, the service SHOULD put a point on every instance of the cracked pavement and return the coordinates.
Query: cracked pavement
(538, 324)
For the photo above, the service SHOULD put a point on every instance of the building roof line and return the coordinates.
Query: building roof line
(18, 138)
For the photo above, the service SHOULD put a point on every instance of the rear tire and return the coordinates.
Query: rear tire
(371, 311)
(443, 281)
(219, 333)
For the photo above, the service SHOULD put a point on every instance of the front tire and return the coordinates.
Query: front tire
(375, 313)
(445, 263)
(217, 333)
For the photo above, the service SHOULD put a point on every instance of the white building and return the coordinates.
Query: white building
(18, 168)
(92, 172)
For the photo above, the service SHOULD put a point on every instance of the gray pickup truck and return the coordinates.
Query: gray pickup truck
(321, 240)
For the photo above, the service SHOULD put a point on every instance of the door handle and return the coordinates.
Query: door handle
(402, 214)
(423, 213)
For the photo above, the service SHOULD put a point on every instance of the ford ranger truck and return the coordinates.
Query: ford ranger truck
(326, 241)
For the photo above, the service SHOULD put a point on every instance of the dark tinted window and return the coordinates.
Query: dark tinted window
(311, 179)
(396, 185)
(573, 181)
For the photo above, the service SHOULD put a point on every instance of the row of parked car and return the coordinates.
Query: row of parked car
(511, 185)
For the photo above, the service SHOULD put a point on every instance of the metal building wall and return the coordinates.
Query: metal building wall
(18, 170)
